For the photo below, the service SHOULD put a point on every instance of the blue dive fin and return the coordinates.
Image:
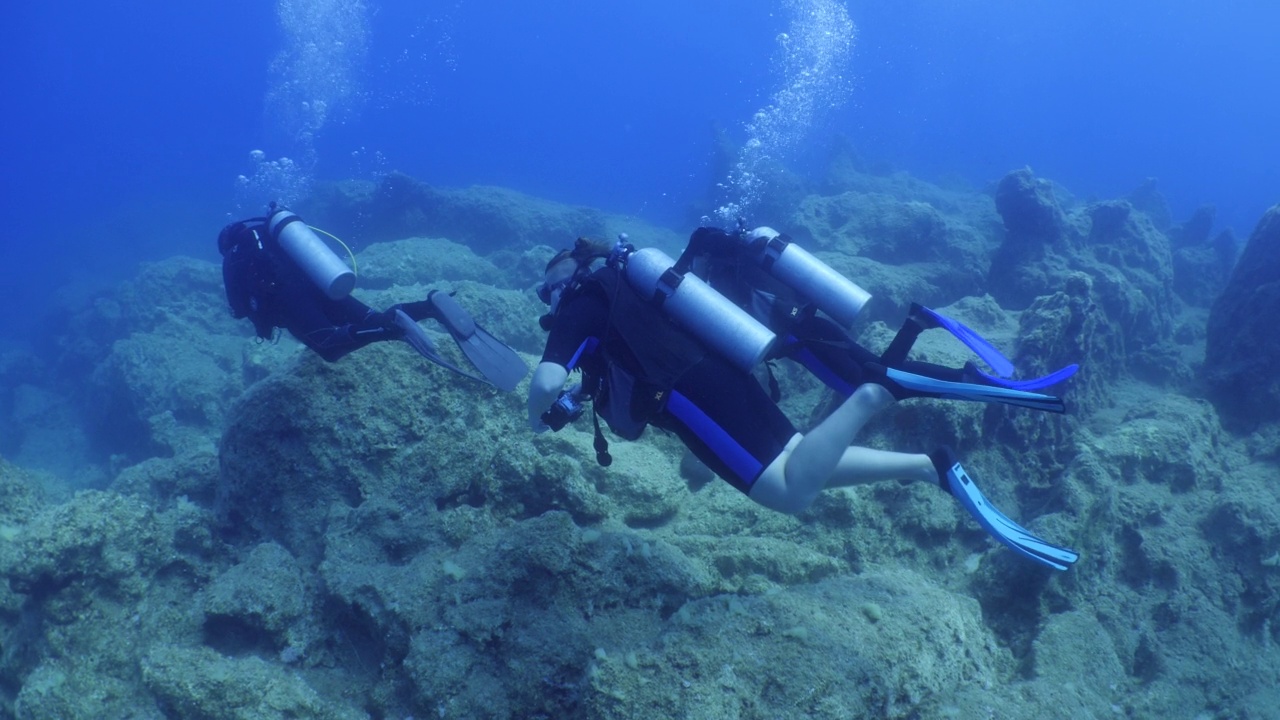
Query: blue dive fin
(1017, 538)
(973, 391)
(995, 359)
(1039, 383)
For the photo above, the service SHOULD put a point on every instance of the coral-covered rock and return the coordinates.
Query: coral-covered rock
(1242, 350)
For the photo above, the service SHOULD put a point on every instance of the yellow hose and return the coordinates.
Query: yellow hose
(336, 239)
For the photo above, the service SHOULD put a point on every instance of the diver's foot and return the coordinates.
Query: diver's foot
(876, 374)
(944, 461)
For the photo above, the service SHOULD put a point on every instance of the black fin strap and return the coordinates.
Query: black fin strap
(775, 392)
(897, 351)
(600, 444)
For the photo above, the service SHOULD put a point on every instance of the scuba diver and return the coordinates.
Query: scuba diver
(783, 286)
(657, 347)
(278, 273)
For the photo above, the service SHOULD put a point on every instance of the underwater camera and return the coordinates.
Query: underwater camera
(565, 410)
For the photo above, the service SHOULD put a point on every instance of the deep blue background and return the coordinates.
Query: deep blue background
(125, 127)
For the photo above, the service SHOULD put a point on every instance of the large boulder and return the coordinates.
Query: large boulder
(1242, 351)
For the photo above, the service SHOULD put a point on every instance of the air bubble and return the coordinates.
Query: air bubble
(811, 60)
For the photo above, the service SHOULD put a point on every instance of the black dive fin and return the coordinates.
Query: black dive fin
(419, 341)
(497, 362)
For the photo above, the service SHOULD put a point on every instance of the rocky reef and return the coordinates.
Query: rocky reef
(197, 525)
(1243, 351)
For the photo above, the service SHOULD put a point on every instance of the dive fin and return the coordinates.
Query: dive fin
(1039, 383)
(950, 390)
(956, 481)
(419, 341)
(995, 359)
(497, 362)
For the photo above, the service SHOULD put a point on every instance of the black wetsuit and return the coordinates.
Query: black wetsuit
(645, 371)
(815, 342)
(266, 286)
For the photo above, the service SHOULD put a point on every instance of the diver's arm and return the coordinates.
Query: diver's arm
(704, 242)
(548, 379)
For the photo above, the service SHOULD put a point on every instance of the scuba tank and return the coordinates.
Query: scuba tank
(798, 269)
(686, 299)
(324, 268)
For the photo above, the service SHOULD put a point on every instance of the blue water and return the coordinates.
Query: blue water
(126, 127)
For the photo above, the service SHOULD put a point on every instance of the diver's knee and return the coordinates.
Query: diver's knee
(773, 491)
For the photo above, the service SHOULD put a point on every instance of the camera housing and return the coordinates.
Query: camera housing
(565, 410)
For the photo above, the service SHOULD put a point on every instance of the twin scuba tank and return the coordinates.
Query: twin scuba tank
(815, 281)
(694, 305)
(714, 319)
(321, 265)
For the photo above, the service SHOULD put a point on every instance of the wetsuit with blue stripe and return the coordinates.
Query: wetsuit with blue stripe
(652, 373)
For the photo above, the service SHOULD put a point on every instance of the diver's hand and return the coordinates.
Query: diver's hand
(544, 387)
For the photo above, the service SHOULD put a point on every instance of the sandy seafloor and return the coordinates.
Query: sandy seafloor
(197, 525)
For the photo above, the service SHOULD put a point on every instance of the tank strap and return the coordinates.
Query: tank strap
(773, 250)
(667, 285)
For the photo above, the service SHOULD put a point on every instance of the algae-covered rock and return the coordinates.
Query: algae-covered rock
(509, 620)
(1171, 442)
(189, 470)
(200, 684)
(98, 541)
(62, 690)
(381, 422)
(19, 499)
(875, 646)
(263, 603)
(98, 579)
(1075, 647)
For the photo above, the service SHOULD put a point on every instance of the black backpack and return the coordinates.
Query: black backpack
(249, 273)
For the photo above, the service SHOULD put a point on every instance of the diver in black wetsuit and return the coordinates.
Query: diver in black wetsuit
(742, 267)
(278, 274)
(639, 368)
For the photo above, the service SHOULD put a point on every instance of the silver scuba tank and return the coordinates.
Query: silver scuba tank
(709, 316)
(831, 292)
(320, 264)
